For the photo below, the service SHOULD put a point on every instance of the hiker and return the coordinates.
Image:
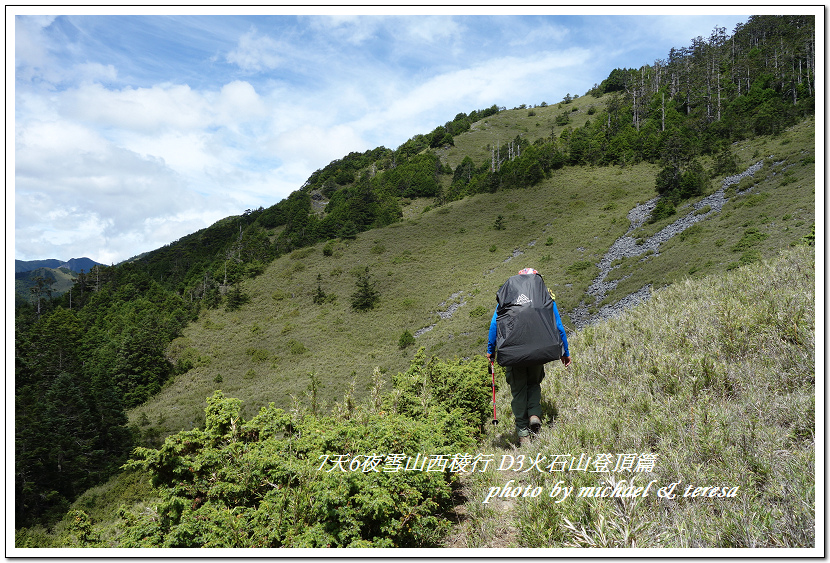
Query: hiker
(524, 356)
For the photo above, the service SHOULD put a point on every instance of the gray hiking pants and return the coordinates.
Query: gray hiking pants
(525, 384)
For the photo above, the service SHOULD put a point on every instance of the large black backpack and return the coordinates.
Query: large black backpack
(527, 333)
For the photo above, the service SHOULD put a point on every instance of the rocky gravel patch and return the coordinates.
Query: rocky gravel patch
(629, 247)
(516, 253)
(455, 301)
(448, 313)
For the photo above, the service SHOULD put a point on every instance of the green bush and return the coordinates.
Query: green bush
(810, 239)
(577, 267)
(297, 348)
(725, 162)
(691, 233)
(254, 268)
(452, 385)
(366, 295)
(406, 340)
(479, 311)
(750, 238)
(257, 354)
(283, 480)
(663, 210)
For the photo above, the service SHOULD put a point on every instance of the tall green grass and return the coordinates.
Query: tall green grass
(716, 376)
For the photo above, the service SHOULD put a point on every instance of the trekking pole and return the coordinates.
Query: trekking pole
(493, 372)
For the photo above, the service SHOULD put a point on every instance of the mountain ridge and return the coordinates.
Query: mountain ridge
(75, 264)
(60, 275)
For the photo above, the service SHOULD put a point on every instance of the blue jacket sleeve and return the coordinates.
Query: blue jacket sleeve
(561, 328)
(491, 341)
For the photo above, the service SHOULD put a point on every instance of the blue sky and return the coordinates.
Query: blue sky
(131, 131)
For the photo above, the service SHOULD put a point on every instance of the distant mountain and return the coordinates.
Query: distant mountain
(60, 281)
(74, 264)
(29, 265)
(78, 264)
(61, 274)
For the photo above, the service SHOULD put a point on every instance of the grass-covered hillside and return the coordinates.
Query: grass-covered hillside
(715, 377)
(687, 422)
(291, 337)
(437, 272)
(42, 283)
(712, 379)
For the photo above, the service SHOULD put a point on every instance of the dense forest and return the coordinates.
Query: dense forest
(83, 359)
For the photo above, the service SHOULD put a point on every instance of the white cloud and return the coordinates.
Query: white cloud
(255, 52)
(75, 189)
(352, 29)
(186, 152)
(137, 167)
(189, 131)
(31, 47)
(146, 110)
(91, 72)
(545, 34)
(432, 28)
(312, 143)
(237, 104)
(472, 88)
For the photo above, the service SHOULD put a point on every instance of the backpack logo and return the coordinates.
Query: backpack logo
(523, 300)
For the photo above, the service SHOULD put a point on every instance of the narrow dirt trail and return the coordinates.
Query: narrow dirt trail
(497, 523)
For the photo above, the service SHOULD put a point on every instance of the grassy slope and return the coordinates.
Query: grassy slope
(439, 256)
(750, 424)
(419, 265)
(780, 203)
(717, 377)
(63, 278)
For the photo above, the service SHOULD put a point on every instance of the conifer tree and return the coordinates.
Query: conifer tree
(366, 296)
(319, 296)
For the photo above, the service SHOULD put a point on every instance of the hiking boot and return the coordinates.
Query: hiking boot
(535, 424)
(524, 441)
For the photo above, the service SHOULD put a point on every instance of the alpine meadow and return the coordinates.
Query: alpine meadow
(312, 374)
